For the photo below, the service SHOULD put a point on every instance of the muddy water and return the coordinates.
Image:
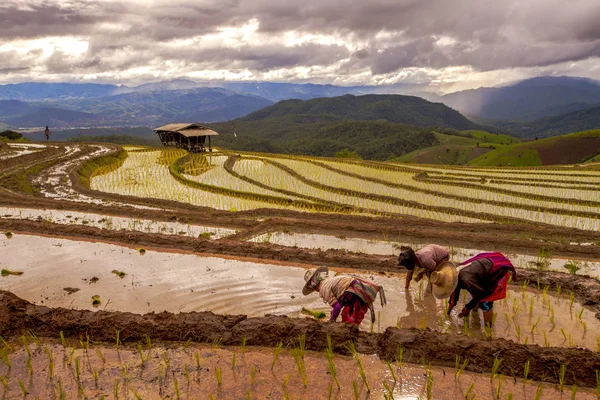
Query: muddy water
(160, 281)
(190, 372)
(114, 223)
(360, 245)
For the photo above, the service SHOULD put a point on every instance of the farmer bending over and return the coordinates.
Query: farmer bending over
(427, 260)
(350, 295)
(485, 277)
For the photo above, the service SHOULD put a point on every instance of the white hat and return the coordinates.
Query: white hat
(444, 280)
(312, 277)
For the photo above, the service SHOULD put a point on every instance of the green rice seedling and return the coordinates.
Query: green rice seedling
(118, 273)
(495, 367)
(4, 382)
(187, 343)
(29, 365)
(355, 390)
(186, 373)
(391, 369)
(526, 370)
(558, 290)
(253, 372)
(389, 392)
(423, 323)
(218, 375)
(571, 299)
(531, 307)
(34, 337)
(330, 363)
(546, 342)
(538, 392)
(400, 354)
(77, 369)
(361, 370)
(95, 376)
(8, 234)
(329, 392)
(573, 392)
(469, 395)
(6, 272)
(580, 315)
(561, 376)
(50, 362)
(276, 354)
(197, 358)
(211, 397)
(509, 397)
(217, 342)
(176, 386)
(116, 388)
(233, 362)
(142, 251)
(598, 384)
(5, 358)
(563, 333)
(535, 324)
(143, 358)
(458, 366)
(499, 387)
(243, 346)
(314, 314)
(117, 341)
(299, 359)
(286, 380)
(135, 394)
(23, 389)
(101, 356)
(429, 385)
(96, 301)
(518, 329)
(62, 339)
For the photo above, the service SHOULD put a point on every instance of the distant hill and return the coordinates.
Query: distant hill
(408, 110)
(527, 100)
(55, 117)
(376, 127)
(576, 121)
(131, 109)
(573, 148)
(38, 90)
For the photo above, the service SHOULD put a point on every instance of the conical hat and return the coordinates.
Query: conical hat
(444, 280)
(312, 279)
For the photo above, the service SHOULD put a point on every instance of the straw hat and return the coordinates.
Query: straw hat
(312, 277)
(444, 280)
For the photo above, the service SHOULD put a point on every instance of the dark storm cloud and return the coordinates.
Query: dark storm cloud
(390, 34)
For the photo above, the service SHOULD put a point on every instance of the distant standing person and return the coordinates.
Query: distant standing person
(428, 259)
(485, 277)
(47, 133)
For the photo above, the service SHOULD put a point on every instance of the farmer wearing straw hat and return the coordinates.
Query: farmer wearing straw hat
(485, 277)
(424, 261)
(351, 295)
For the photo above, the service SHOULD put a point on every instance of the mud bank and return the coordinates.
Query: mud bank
(17, 315)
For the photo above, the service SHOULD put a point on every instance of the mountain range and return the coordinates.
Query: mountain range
(535, 107)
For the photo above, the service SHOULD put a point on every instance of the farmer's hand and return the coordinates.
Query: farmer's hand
(464, 313)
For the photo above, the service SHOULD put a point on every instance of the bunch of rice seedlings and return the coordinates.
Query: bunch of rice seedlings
(314, 314)
(96, 300)
(331, 364)
(118, 273)
(8, 234)
(361, 370)
(278, 350)
(6, 272)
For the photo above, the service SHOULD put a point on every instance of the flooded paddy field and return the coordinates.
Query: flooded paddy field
(73, 369)
(110, 222)
(67, 273)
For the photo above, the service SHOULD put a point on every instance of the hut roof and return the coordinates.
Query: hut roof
(187, 129)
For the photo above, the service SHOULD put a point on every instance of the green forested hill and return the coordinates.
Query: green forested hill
(298, 135)
(407, 110)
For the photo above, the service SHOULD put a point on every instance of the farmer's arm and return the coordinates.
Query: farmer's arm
(337, 307)
(409, 276)
(454, 296)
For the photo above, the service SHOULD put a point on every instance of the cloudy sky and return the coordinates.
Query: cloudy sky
(446, 44)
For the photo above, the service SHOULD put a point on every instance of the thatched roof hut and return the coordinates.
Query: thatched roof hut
(189, 136)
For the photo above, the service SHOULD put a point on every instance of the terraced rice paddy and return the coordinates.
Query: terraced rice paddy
(181, 254)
